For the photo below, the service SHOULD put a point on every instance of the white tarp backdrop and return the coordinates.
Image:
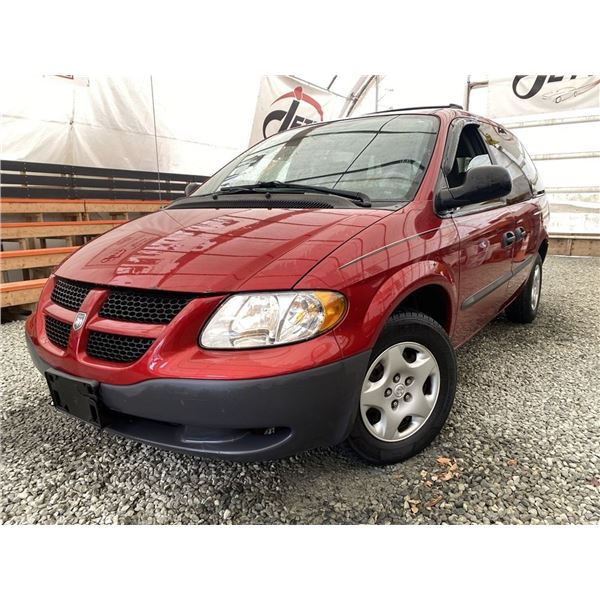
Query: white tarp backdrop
(284, 103)
(539, 94)
(109, 121)
(566, 155)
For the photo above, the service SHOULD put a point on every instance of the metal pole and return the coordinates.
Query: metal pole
(318, 87)
(573, 190)
(155, 138)
(471, 85)
(565, 155)
(549, 122)
(354, 100)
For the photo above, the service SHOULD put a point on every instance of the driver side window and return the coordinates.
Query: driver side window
(470, 152)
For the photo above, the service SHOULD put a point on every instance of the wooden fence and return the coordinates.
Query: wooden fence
(49, 210)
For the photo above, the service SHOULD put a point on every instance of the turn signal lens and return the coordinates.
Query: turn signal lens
(334, 306)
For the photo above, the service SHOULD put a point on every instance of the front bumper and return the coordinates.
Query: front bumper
(243, 419)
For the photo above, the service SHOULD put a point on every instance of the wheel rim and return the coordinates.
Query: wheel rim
(536, 285)
(400, 391)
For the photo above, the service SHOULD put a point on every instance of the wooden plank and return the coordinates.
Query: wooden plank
(585, 247)
(10, 206)
(124, 206)
(20, 292)
(575, 245)
(31, 259)
(62, 181)
(560, 246)
(72, 193)
(19, 166)
(48, 229)
(33, 167)
(13, 206)
(43, 193)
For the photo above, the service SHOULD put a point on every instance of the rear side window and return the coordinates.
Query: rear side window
(507, 151)
(532, 173)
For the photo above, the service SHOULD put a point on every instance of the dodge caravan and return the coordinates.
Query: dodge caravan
(313, 290)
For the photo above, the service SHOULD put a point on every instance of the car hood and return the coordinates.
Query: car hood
(216, 250)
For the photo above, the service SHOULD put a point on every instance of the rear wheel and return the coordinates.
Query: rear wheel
(524, 308)
(407, 392)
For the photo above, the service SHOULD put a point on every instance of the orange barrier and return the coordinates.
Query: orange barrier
(32, 259)
(49, 229)
(32, 206)
(21, 292)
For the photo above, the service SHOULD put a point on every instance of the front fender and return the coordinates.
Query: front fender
(363, 325)
(402, 284)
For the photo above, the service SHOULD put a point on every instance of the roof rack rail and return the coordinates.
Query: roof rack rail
(418, 108)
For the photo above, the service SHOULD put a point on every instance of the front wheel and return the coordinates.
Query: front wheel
(407, 392)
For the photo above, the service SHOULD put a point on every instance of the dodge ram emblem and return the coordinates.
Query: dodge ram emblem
(79, 320)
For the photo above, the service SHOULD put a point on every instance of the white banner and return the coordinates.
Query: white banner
(109, 122)
(284, 103)
(531, 94)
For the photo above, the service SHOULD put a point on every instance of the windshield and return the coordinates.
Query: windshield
(384, 157)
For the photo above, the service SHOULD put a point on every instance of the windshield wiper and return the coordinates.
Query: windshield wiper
(358, 198)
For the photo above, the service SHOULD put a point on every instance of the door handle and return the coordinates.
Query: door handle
(508, 239)
(520, 233)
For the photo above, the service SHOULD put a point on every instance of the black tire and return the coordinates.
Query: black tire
(521, 310)
(421, 329)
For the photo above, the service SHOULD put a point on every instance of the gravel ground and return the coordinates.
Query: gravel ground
(521, 444)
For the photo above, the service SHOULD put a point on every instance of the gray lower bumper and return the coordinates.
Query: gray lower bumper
(251, 419)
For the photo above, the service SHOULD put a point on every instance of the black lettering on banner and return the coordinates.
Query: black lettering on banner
(289, 116)
(276, 115)
(535, 88)
(290, 119)
(298, 121)
(539, 82)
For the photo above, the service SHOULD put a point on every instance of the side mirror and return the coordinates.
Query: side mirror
(191, 187)
(481, 184)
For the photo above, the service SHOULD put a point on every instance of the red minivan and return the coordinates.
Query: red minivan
(313, 290)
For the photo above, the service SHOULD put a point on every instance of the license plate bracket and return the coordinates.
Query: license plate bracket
(77, 397)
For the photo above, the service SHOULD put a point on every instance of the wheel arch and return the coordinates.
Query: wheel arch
(429, 286)
(543, 249)
(432, 300)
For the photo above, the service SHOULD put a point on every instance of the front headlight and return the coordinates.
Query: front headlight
(271, 319)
